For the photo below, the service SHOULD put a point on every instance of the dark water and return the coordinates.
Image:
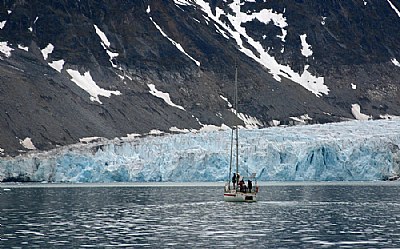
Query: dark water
(360, 215)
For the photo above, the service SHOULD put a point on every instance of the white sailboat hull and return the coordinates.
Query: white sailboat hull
(235, 196)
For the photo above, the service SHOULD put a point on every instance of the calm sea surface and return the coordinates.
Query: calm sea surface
(301, 215)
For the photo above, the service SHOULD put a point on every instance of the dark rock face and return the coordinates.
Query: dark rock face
(352, 43)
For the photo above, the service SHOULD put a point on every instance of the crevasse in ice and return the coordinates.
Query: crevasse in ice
(348, 151)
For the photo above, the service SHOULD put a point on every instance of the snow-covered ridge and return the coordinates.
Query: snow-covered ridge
(237, 32)
(356, 150)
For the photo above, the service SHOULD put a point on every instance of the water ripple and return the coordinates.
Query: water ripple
(184, 217)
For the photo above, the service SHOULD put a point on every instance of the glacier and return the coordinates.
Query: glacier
(346, 151)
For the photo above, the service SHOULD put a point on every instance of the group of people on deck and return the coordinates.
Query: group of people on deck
(241, 184)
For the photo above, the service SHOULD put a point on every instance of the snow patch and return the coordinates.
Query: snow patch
(356, 111)
(323, 20)
(5, 49)
(394, 8)
(2, 24)
(176, 129)
(389, 117)
(237, 31)
(90, 139)
(306, 48)
(102, 35)
(23, 48)
(249, 121)
(395, 62)
(275, 122)
(155, 132)
(226, 100)
(182, 2)
(302, 119)
(131, 136)
(221, 32)
(47, 50)
(211, 128)
(162, 95)
(176, 44)
(57, 65)
(27, 143)
(106, 45)
(86, 82)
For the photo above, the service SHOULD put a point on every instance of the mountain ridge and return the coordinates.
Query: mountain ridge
(94, 80)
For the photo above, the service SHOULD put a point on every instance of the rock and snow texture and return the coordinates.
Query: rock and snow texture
(164, 96)
(395, 62)
(356, 111)
(47, 50)
(302, 41)
(249, 122)
(27, 143)
(239, 34)
(306, 48)
(106, 45)
(176, 44)
(2, 24)
(57, 65)
(355, 150)
(23, 48)
(394, 8)
(5, 49)
(86, 82)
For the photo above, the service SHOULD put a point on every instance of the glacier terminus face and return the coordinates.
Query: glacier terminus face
(347, 151)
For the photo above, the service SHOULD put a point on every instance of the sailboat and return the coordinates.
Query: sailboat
(238, 188)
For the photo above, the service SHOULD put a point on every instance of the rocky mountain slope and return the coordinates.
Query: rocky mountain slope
(76, 69)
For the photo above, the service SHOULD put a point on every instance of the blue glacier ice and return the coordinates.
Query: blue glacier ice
(347, 151)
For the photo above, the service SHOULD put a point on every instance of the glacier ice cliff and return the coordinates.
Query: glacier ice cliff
(347, 151)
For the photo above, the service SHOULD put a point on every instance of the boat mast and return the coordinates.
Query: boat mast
(230, 161)
(236, 126)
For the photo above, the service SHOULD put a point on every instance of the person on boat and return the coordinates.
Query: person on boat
(249, 185)
(242, 186)
(234, 180)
